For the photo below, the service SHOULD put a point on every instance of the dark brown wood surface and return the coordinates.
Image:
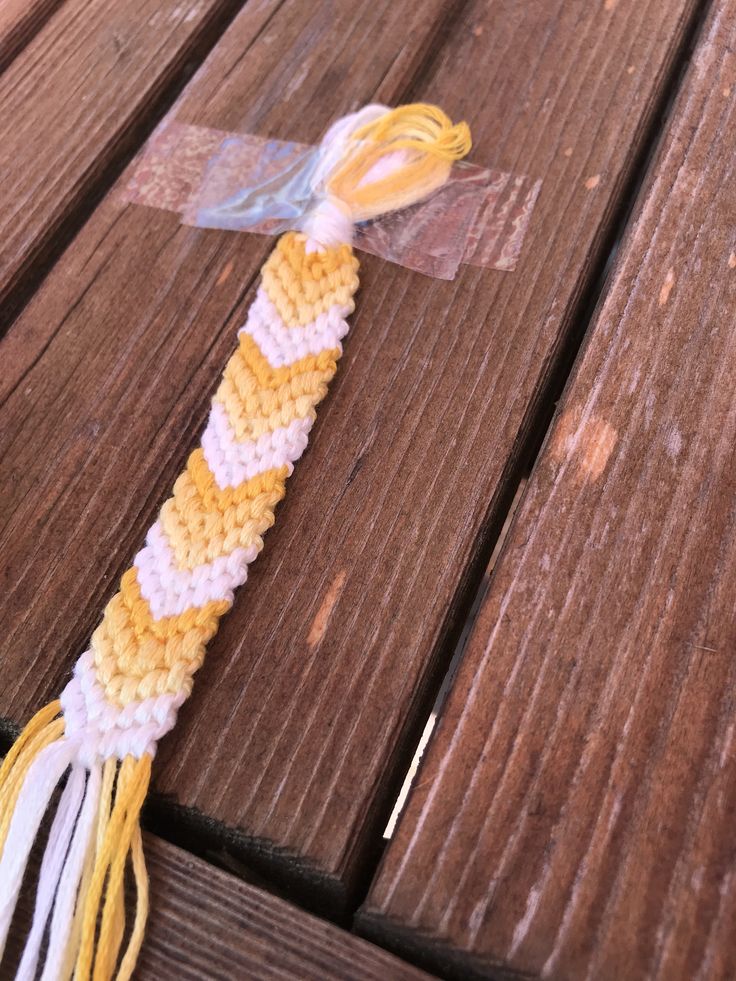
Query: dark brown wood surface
(574, 817)
(305, 711)
(19, 21)
(112, 331)
(74, 100)
(208, 924)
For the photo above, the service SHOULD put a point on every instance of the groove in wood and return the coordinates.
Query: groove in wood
(205, 923)
(573, 817)
(293, 745)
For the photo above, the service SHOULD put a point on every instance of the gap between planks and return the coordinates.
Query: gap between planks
(55, 230)
(20, 21)
(543, 411)
(665, 873)
(207, 924)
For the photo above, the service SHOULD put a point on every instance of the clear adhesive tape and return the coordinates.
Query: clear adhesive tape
(247, 183)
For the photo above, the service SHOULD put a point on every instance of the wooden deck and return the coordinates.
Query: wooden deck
(574, 814)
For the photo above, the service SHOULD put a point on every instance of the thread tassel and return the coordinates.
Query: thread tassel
(52, 866)
(94, 833)
(102, 953)
(59, 959)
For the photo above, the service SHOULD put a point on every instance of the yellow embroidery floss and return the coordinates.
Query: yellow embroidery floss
(127, 687)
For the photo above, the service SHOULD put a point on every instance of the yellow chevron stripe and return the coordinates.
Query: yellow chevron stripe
(130, 672)
(251, 427)
(302, 286)
(138, 657)
(250, 356)
(197, 535)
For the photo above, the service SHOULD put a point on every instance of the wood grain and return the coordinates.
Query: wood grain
(19, 21)
(74, 100)
(574, 815)
(113, 326)
(205, 923)
(292, 751)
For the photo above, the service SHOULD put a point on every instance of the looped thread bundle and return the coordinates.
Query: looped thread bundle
(127, 688)
(379, 160)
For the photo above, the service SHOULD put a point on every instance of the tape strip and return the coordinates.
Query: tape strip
(242, 182)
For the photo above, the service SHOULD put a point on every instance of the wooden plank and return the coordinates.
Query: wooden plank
(295, 738)
(574, 815)
(304, 714)
(19, 21)
(136, 323)
(75, 100)
(205, 923)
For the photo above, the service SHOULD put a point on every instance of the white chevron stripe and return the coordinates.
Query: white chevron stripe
(106, 729)
(170, 591)
(233, 462)
(282, 345)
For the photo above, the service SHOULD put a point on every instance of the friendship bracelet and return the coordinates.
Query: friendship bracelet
(127, 688)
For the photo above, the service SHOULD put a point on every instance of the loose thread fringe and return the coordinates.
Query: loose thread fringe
(94, 832)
